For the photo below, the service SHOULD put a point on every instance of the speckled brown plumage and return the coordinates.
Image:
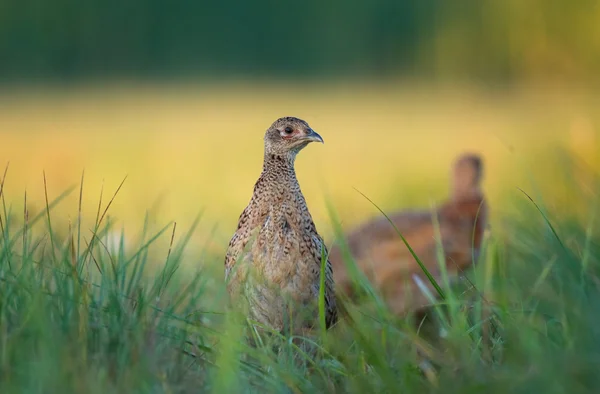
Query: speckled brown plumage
(382, 256)
(274, 257)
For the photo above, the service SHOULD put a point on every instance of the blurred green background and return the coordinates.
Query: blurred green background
(495, 40)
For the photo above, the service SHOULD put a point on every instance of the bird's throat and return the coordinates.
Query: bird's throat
(279, 162)
(278, 174)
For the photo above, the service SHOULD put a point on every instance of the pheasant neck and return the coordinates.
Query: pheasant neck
(280, 164)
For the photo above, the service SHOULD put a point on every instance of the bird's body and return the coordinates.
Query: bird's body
(383, 257)
(274, 257)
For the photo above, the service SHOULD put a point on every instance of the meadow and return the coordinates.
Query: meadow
(103, 294)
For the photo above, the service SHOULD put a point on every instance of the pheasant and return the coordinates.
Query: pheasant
(274, 257)
(383, 257)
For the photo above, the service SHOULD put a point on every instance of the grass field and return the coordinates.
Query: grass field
(145, 311)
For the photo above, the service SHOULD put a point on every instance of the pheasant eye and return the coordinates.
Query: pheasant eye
(288, 130)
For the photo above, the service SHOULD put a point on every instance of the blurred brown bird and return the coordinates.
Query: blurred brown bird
(274, 257)
(383, 257)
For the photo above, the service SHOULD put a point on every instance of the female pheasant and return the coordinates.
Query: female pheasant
(274, 257)
(383, 257)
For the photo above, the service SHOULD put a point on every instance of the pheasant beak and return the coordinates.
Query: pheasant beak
(312, 136)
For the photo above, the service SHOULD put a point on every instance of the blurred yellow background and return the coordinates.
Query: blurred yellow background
(187, 148)
(177, 95)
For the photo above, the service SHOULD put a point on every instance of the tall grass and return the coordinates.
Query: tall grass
(77, 315)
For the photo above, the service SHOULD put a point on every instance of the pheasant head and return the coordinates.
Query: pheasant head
(287, 136)
(467, 174)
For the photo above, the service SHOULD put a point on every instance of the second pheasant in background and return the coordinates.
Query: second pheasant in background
(382, 256)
